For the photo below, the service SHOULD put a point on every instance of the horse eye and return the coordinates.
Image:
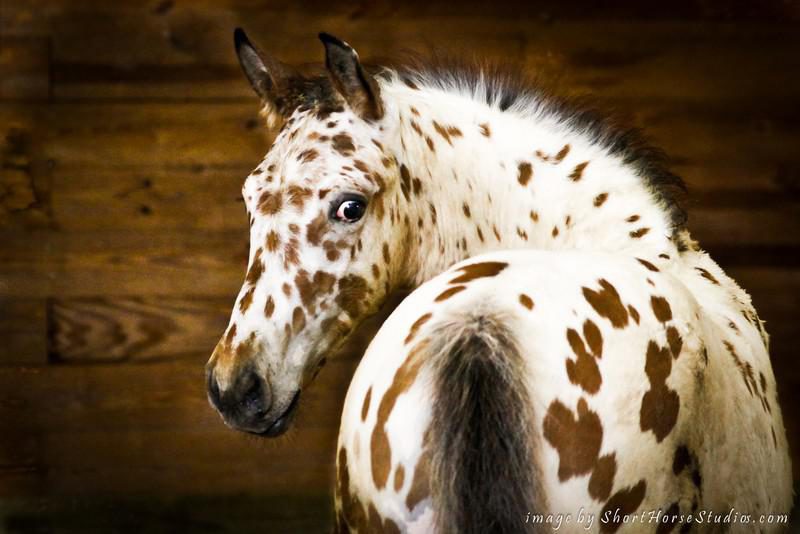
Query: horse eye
(350, 210)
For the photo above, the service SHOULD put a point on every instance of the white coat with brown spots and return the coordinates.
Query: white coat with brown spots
(584, 355)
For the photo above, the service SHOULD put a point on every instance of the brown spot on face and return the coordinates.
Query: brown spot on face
(343, 144)
(632, 218)
(298, 195)
(273, 241)
(247, 299)
(707, 275)
(352, 290)
(525, 172)
(641, 232)
(607, 303)
(365, 405)
(661, 308)
(557, 158)
(602, 480)
(478, 270)
(270, 203)
(576, 439)
(431, 146)
(526, 301)
(405, 181)
(298, 319)
(256, 269)
(416, 326)
(399, 477)
(660, 405)
(600, 199)
(583, 370)
(577, 172)
(648, 265)
(554, 233)
(307, 155)
(624, 502)
(291, 254)
(330, 251)
(380, 449)
(316, 229)
(634, 313)
(269, 307)
(485, 130)
(447, 293)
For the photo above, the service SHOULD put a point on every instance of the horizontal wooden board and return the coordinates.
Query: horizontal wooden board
(24, 67)
(23, 331)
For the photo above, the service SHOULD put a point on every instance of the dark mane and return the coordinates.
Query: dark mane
(508, 87)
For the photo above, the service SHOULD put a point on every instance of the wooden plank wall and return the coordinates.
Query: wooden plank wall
(126, 130)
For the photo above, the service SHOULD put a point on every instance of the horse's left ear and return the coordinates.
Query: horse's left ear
(358, 87)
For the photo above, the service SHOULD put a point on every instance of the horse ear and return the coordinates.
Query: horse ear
(268, 76)
(358, 88)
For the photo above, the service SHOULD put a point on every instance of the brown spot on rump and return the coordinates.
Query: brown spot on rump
(316, 228)
(534, 216)
(431, 146)
(352, 290)
(247, 299)
(661, 308)
(298, 319)
(707, 275)
(307, 155)
(496, 233)
(474, 271)
(365, 405)
(480, 234)
(558, 158)
(745, 369)
(634, 313)
(441, 130)
(417, 186)
(343, 144)
(577, 172)
(256, 269)
(602, 480)
(416, 326)
(554, 233)
(380, 449)
(526, 301)
(632, 218)
(576, 439)
(485, 130)
(648, 265)
(625, 502)
(416, 127)
(660, 404)
(269, 307)
(583, 370)
(447, 293)
(298, 195)
(399, 477)
(525, 172)
(674, 341)
(466, 210)
(607, 303)
(681, 460)
(273, 241)
(420, 484)
(385, 251)
(641, 232)
(600, 199)
(270, 203)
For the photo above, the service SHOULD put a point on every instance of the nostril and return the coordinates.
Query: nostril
(253, 399)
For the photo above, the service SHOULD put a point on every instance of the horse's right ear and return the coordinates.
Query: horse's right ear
(268, 76)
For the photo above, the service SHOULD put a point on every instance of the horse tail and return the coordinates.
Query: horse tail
(483, 477)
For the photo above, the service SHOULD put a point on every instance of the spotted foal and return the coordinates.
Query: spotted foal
(568, 349)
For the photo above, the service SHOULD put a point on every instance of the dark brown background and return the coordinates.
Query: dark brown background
(126, 130)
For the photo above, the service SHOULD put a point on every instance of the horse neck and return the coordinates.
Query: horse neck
(479, 179)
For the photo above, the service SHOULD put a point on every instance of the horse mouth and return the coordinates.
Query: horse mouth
(281, 424)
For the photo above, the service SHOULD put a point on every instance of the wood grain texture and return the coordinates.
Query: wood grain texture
(126, 130)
